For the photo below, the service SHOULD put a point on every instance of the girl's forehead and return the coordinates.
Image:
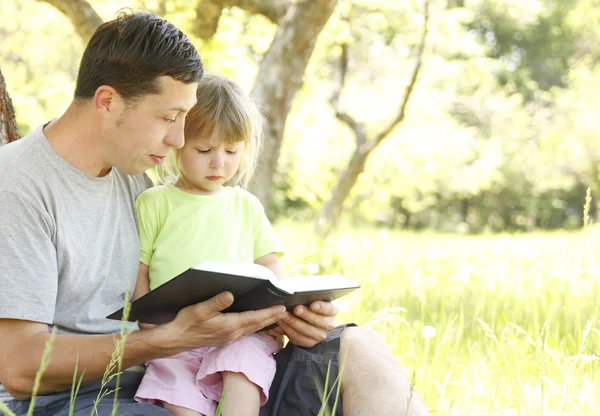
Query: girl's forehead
(217, 137)
(216, 140)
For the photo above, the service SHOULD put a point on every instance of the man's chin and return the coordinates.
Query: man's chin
(133, 170)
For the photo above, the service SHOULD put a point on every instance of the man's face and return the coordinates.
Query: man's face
(144, 132)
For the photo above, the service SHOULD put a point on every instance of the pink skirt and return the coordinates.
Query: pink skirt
(193, 379)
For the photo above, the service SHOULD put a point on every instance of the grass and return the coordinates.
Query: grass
(486, 325)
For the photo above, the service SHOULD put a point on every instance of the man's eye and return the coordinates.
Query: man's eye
(171, 120)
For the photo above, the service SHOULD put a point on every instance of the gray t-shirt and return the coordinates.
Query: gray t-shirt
(68, 241)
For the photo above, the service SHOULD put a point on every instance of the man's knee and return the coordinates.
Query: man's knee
(358, 336)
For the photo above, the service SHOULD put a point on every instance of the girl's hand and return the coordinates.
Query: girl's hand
(277, 335)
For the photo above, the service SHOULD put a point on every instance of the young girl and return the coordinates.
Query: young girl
(198, 219)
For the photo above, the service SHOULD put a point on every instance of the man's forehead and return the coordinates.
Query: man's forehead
(175, 95)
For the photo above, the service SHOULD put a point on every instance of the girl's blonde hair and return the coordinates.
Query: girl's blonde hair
(223, 109)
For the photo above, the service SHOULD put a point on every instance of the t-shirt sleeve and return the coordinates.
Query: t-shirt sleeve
(148, 225)
(28, 265)
(265, 239)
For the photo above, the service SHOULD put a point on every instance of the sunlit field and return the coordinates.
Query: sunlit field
(499, 325)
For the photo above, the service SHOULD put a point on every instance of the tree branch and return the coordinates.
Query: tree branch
(357, 127)
(413, 79)
(82, 15)
(208, 12)
(274, 10)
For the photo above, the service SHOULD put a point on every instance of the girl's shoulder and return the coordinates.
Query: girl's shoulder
(156, 189)
(235, 192)
(245, 201)
(154, 193)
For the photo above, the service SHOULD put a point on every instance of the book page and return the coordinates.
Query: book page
(239, 269)
(296, 284)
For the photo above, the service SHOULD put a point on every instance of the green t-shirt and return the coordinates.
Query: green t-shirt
(178, 230)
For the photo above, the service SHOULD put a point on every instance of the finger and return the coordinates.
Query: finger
(306, 329)
(297, 338)
(278, 330)
(252, 321)
(278, 338)
(214, 305)
(324, 308)
(324, 322)
(273, 334)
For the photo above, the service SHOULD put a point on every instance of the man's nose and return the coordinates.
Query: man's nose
(175, 137)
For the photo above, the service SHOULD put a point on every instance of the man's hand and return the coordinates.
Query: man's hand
(306, 327)
(204, 324)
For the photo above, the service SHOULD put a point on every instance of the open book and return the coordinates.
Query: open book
(253, 287)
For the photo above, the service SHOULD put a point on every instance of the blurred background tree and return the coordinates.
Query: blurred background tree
(499, 132)
(8, 122)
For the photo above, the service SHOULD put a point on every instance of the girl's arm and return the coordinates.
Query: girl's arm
(271, 261)
(142, 286)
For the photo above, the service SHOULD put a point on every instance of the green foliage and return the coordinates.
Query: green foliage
(38, 61)
(499, 132)
(531, 39)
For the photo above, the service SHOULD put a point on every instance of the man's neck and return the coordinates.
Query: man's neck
(75, 137)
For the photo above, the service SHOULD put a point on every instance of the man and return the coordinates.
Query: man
(69, 249)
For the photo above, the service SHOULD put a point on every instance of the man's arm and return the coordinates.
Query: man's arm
(22, 344)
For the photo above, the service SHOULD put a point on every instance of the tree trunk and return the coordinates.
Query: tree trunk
(533, 212)
(8, 123)
(280, 77)
(82, 15)
(332, 210)
(464, 205)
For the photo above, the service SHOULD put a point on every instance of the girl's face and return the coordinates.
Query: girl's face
(206, 164)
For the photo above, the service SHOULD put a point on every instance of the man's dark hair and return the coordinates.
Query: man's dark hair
(131, 51)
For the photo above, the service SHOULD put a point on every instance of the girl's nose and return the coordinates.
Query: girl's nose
(218, 160)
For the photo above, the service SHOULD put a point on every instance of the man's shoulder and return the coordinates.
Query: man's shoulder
(20, 160)
(138, 183)
(11, 153)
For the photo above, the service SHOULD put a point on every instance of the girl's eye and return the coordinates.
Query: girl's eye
(232, 152)
(203, 150)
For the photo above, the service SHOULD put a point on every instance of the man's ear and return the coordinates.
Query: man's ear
(107, 101)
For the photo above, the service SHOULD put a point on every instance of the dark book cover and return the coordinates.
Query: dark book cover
(195, 285)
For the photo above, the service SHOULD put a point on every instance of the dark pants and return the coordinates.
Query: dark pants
(297, 389)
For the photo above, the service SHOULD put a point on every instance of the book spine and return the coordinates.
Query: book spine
(262, 296)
